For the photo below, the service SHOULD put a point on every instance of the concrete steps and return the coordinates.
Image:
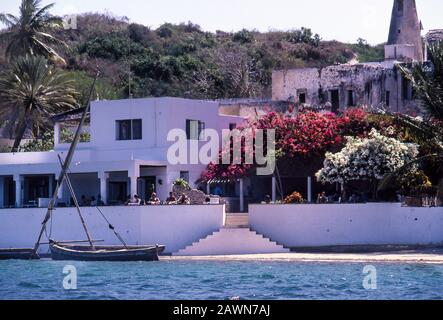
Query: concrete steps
(237, 220)
(232, 241)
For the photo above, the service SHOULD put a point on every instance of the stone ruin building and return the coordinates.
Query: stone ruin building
(378, 84)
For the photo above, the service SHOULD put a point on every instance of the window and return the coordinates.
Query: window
(184, 175)
(335, 100)
(406, 89)
(302, 95)
(400, 6)
(368, 92)
(194, 128)
(350, 98)
(388, 98)
(136, 129)
(129, 129)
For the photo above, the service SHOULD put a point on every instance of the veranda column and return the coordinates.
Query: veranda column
(274, 189)
(18, 190)
(208, 188)
(104, 176)
(2, 192)
(50, 186)
(242, 197)
(134, 174)
(310, 189)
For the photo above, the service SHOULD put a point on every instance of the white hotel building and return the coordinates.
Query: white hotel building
(126, 153)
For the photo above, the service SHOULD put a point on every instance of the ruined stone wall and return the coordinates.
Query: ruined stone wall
(252, 109)
(286, 82)
(357, 84)
(375, 84)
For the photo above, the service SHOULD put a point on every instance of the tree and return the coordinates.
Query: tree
(46, 143)
(31, 92)
(308, 135)
(427, 80)
(239, 72)
(28, 32)
(366, 159)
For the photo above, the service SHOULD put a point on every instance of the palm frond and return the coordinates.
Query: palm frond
(48, 52)
(8, 19)
(427, 80)
(28, 33)
(390, 179)
(51, 38)
(33, 90)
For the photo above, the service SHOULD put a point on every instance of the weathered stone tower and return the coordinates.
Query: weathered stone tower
(405, 41)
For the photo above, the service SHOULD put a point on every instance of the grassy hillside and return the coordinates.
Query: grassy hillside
(182, 60)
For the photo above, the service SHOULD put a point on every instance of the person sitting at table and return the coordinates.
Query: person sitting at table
(171, 199)
(184, 199)
(100, 202)
(154, 200)
(321, 198)
(137, 200)
(84, 202)
(133, 202)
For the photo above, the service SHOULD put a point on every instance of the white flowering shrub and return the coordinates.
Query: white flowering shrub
(366, 159)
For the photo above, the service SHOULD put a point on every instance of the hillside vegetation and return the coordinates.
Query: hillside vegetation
(183, 60)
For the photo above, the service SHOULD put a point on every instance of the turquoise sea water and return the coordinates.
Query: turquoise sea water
(217, 280)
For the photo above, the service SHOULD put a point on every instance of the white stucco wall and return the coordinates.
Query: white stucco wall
(2, 191)
(174, 226)
(348, 224)
(159, 115)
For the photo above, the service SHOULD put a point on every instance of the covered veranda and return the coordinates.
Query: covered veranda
(112, 182)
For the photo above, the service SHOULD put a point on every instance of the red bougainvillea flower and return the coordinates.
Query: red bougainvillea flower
(308, 134)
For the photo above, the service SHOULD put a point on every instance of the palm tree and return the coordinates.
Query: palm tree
(31, 92)
(27, 33)
(427, 80)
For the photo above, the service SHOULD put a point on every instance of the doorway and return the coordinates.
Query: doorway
(335, 100)
(8, 192)
(146, 186)
(36, 187)
(118, 192)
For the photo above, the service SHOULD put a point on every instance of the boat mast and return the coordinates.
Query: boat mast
(64, 170)
(77, 206)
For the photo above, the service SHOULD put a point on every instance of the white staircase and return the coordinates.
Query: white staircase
(232, 241)
(237, 220)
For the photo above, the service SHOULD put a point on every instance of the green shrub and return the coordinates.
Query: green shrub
(182, 183)
(46, 143)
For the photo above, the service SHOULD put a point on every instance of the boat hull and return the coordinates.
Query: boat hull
(18, 254)
(105, 253)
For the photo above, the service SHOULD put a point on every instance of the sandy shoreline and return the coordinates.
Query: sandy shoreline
(410, 257)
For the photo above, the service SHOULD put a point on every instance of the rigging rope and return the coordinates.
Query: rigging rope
(112, 228)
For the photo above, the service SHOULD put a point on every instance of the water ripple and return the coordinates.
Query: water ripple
(230, 280)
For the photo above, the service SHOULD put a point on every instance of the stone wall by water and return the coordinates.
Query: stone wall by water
(314, 225)
(174, 226)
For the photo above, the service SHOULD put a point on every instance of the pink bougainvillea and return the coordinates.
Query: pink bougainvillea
(307, 134)
(354, 122)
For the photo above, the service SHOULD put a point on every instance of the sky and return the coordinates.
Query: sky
(343, 20)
